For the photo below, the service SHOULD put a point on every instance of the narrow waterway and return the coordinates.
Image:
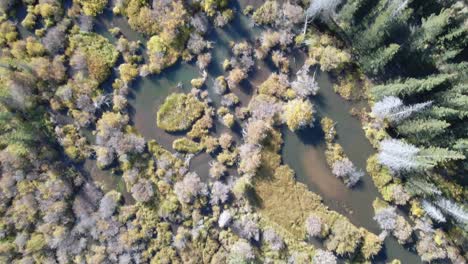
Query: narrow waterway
(303, 151)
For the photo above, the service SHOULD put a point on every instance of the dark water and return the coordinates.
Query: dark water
(303, 151)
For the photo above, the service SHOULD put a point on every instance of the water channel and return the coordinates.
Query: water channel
(303, 151)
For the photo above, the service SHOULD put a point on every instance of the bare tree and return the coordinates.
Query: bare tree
(319, 8)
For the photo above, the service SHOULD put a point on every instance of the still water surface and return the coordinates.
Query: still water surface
(303, 151)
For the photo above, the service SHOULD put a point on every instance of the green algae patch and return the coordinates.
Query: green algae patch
(100, 54)
(186, 145)
(179, 112)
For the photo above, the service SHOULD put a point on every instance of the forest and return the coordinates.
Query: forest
(233, 131)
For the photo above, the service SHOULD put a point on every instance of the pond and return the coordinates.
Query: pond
(303, 151)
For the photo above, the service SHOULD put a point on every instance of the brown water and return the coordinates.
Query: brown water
(303, 151)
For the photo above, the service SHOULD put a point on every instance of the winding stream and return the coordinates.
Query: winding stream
(303, 151)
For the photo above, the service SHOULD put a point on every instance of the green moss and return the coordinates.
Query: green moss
(179, 112)
(186, 145)
(100, 54)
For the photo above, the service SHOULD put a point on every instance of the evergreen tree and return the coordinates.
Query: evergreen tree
(433, 211)
(400, 156)
(352, 12)
(393, 109)
(422, 130)
(431, 28)
(376, 62)
(440, 112)
(410, 86)
(453, 209)
(433, 156)
(454, 98)
(420, 186)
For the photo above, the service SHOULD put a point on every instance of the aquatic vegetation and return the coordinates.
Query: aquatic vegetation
(179, 112)
(353, 85)
(276, 85)
(340, 164)
(322, 51)
(128, 72)
(298, 113)
(186, 145)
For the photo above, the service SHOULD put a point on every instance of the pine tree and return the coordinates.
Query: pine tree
(376, 62)
(433, 156)
(400, 156)
(455, 99)
(420, 186)
(431, 28)
(422, 130)
(453, 209)
(440, 112)
(16, 135)
(461, 145)
(381, 20)
(433, 211)
(352, 12)
(409, 86)
(393, 109)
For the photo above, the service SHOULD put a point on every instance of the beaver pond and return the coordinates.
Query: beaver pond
(303, 151)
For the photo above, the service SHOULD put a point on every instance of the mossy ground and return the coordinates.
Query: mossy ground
(186, 145)
(179, 112)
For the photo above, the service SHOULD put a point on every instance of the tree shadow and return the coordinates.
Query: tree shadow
(312, 136)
